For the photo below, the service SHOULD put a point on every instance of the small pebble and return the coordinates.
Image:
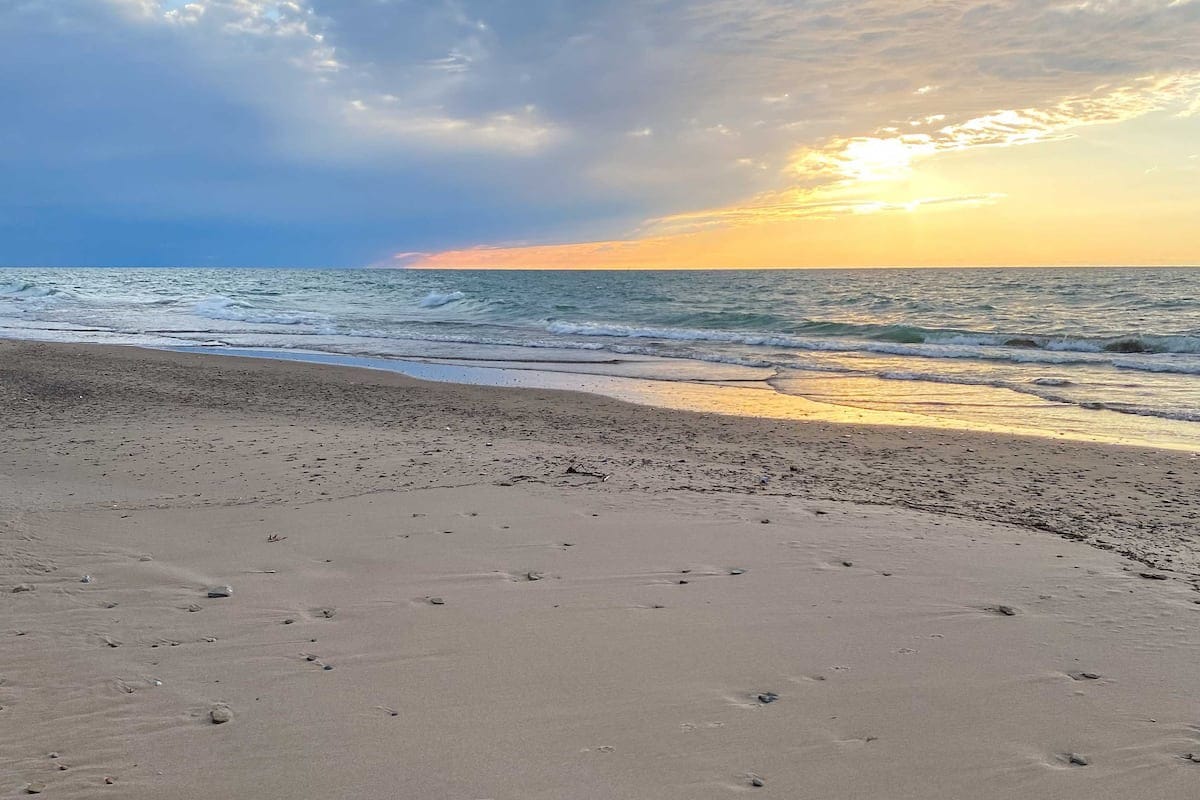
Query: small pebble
(86, 579)
(327, 667)
(1077, 760)
(288, 621)
(847, 563)
(145, 558)
(220, 591)
(756, 781)
(35, 788)
(22, 587)
(1007, 611)
(109, 781)
(534, 576)
(220, 715)
(436, 601)
(1193, 757)
(737, 572)
(52, 755)
(768, 697)
(1153, 576)
(193, 608)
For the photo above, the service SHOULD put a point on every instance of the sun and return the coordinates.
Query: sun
(872, 159)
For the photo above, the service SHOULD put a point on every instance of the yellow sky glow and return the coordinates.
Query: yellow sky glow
(1112, 177)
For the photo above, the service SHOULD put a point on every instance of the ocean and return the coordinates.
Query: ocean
(1095, 353)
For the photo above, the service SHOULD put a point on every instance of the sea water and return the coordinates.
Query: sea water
(1110, 353)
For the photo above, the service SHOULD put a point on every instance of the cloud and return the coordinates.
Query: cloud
(825, 173)
(344, 129)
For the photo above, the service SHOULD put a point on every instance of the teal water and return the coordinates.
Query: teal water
(985, 344)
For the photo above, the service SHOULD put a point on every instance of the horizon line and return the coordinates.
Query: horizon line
(382, 268)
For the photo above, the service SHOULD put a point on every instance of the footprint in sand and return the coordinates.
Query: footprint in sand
(317, 661)
(527, 577)
(1002, 610)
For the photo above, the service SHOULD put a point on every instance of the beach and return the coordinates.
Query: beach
(450, 591)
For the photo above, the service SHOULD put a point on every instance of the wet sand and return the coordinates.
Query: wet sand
(634, 602)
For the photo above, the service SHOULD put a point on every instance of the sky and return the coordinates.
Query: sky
(599, 133)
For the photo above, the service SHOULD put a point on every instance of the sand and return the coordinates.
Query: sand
(931, 614)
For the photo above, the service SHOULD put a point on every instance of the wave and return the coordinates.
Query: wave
(711, 358)
(24, 290)
(770, 330)
(679, 334)
(978, 347)
(438, 299)
(1127, 344)
(987, 347)
(1192, 368)
(238, 311)
(727, 320)
(1176, 414)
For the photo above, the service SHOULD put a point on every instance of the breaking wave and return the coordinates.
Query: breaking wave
(238, 311)
(439, 299)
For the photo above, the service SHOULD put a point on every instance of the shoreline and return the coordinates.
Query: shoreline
(527, 593)
(732, 395)
(935, 352)
(1158, 481)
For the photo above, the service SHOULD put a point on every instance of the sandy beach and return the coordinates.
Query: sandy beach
(443, 591)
